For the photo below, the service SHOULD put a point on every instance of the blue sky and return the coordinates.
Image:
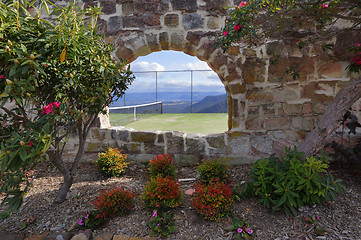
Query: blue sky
(175, 81)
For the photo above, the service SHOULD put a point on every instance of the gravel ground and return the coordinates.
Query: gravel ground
(341, 219)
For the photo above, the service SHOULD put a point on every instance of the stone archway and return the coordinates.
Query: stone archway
(267, 108)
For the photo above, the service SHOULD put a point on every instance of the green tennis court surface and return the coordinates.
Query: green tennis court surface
(204, 123)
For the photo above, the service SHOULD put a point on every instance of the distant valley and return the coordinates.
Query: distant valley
(179, 102)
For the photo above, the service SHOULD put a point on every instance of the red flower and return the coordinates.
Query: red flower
(237, 27)
(225, 33)
(30, 143)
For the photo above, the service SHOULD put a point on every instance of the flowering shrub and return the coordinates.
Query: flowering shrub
(241, 228)
(117, 201)
(91, 220)
(162, 193)
(214, 200)
(355, 63)
(162, 165)
(212, 169)
(112, 162)
(161, 224)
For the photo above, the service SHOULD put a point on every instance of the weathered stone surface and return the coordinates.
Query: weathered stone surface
(36, 237)
(104, 236)
(146, 137)
(194, 145)
(292, 109)
(192, 21)
(218, 6)
(239, 143)
(206, 49)
(310, 91)
(333, 70)
(153, 149)
(218, 60)
(256, 95)
(160, 138)
(95, 146)
(171, 20)
(237, 88)
(187, 160)
(343, 44)
(152, 42)
(262, 143)
(305, 67)
(254, 121)
(274, 48)
(57, 235)
(132, 148)
(114, 24)
(186, 5)
(124, 53)
(11, 236)
(277, 123)
(164, 40)
(141, 22)
(176, 41)
(108, 6)
(175, 143)
(121, 237)
(308, 123)
(128, 8)
(253, 70)
(296, 123)
(123, 135)
(216, 141)
(213, 22)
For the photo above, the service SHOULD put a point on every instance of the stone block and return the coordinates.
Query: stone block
(254, 70)
(274, 48)
(121, 237)
(233, 74)
(305, 66)
(293, 135)
(292, 109)
(108, 6)
(262, 143)
(132, 148)
(171, 20)
(146, 137)
(259, 95)
(114, 24)
(147, 19)
(307, 108)
(308, 123)
(164, 40)
(310, 91)
(106, 236)
(297, 123)
(175, 143)
(216, 141)
(207, 48)
(239, 143)
(95, 146)
(124, 53)
(218, 7)
(128, 8)
(213, 22)
(177, 41)
(152, 42)
(124, 135)
(277, 123)
(185, 5)
(332, 70)
(153, 149)
(187, 160)
(254, 122)
(192, 21)
(160, 138)
(11, 236)
(195, 146)
(219, 59)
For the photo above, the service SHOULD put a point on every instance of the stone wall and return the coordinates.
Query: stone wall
(267, 108)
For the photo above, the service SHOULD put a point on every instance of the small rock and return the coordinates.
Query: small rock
(86, 232)
(71, 228)
(57, 228)
(190, 192)
(37, 237)
(11, 236)
(104, 236)
(58, 236)
(80, 236)
(71, 194)
(321, 237)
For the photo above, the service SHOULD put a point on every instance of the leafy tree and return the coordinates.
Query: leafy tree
(312, 22)
(56, 77)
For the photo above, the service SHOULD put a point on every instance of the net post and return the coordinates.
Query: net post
(135, 113)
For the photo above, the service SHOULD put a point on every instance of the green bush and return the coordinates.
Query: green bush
(112, 162)
(162, 165)
(290, 183)
(212, 169)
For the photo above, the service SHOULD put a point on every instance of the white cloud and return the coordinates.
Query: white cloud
(146, 66)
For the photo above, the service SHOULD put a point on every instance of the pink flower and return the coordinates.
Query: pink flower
(356, 44)
(80, 222)
(242, 4)
(237, 27)
(154, 214)
(249, 231)
(30, 143)
(225, 33)
(49, 108)
(239, 230)
(324, 5)
(2, 76)
(317, 218)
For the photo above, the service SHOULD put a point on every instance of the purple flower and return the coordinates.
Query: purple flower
(158, 224)
(154, 214)
(239, 230)
(317, 218)
(249, 231)
(80, 221)
(86, 215)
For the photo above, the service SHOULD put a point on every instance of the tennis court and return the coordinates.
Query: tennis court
(204, 123)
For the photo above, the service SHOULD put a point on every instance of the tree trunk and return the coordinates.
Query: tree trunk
(69, 174)
(331, 119)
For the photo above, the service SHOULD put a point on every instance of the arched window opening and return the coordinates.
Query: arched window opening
(172, 91)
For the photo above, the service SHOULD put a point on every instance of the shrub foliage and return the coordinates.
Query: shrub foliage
(112, 162)
(162, 165)
(212, 169)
